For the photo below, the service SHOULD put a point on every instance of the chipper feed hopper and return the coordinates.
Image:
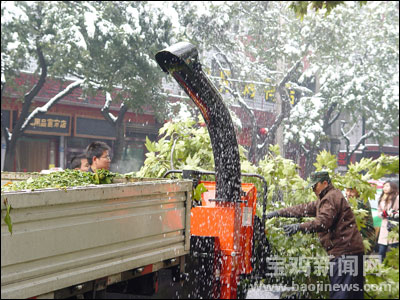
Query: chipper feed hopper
(224, 227)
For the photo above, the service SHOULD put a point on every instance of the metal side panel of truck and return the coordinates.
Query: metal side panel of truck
(7, 177)
(65, 237)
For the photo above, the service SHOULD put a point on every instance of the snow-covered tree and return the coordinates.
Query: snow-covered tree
(255, 41)
(355, 66)
(346, 60)
(30, 36)
(120, 41)
(104, 45)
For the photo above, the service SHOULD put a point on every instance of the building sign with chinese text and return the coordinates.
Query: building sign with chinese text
(94, 128)
(50, 125)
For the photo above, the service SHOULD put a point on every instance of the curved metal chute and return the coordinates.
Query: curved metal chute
(181, 61)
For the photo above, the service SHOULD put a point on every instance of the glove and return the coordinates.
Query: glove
(272, 214)
(384, 214)
(291, 229)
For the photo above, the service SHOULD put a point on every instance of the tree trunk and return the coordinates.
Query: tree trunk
(309, 166)
(251, 155)
(118, 125)
(28, 98)
(10, 153)
(284, 110)
(25, 114)
(280, 109)
(119, 144)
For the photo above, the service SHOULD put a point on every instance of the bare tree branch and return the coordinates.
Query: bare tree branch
(347, 141)
(243, 104)
(105, 110)
(346, 134)
(45, 108)
(28, 98)
(305, 150)
(333, 120)
(290, 73)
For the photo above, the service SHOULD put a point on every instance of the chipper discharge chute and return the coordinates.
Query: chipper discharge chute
(224, 227)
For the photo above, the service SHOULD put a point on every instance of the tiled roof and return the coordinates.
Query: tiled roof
(52, 87)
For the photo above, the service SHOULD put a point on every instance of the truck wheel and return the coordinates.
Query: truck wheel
(176, 274)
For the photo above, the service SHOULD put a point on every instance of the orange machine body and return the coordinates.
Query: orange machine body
(232, 224)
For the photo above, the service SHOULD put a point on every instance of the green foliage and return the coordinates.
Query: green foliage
(356, 177)
(285, 188)
(190, 143)
(7, 218)
(384, 165)
(385, 276)
(325, 160)
(394, 233)
(366, 169)
(392, 258)
(61, 180)
(300, 8)
(103, 176)
(200, 189)
(282, 178)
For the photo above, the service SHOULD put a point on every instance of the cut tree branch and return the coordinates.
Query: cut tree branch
(28, 98)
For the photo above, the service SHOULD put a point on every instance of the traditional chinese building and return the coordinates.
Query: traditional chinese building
(50, 140)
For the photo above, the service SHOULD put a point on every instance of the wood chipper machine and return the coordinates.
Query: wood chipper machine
(227, 242)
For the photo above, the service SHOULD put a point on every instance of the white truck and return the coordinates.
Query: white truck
(80, 240)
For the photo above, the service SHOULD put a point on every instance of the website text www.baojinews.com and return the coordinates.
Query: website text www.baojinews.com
(323, 287)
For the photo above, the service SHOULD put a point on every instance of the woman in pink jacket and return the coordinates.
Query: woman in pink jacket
(388, 208)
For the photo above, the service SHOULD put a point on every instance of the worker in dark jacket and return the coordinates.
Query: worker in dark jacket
(336, 227)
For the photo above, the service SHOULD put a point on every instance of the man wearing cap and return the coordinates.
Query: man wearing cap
(336, 227)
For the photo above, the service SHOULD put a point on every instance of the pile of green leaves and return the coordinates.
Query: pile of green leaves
(103, 177)
(61, 180)
(286, 188)
(384, 275)
(190, 145)
(191, 148)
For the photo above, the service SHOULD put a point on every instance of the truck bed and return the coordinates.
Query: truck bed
(65, 237)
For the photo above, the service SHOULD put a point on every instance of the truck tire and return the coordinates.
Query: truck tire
(176, 274)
